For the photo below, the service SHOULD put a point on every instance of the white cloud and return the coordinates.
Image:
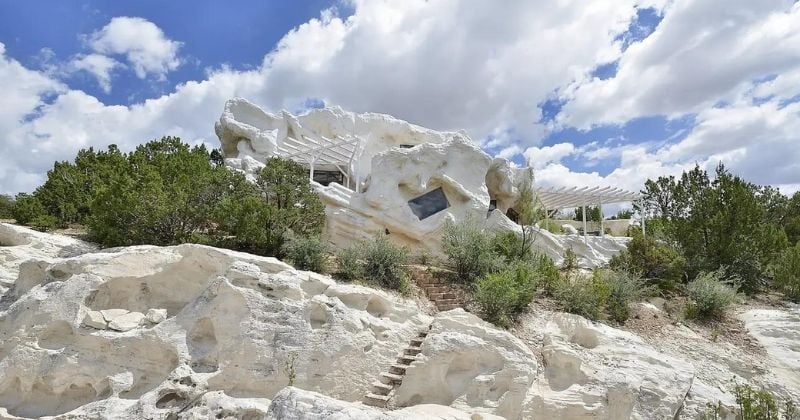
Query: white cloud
(98, 65)
(539, 157)
(482, 68)
(143, 43)
(702, 52)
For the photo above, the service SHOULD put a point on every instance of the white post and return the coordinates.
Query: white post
(602, 232)
(311, 168)
(644, 233)
(585, 238)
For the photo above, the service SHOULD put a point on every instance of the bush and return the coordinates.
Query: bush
(623, 288)
(44, 222)
(307, 253)
(497, 297)
(710, 295)
(755, 405)
(651, 259)
(786, 273)
(6, 206)
(582, 295)
(26, 209)
(547, 273)
(469, 251)
(570, 261)
(377, 262)
(507, 245)
(551, 226)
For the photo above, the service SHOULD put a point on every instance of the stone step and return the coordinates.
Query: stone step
(381, 388)
(416, 342)
(392, 378)
(436, 289)
(406, 359)
(448, 302)
(442, 296)
(413, 350)
(448, 307)
(398, 369)
(376, 400)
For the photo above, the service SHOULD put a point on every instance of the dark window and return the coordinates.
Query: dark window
(326, 177)
(429, 203)
(513, 215)
(492, 204)
(406, 146)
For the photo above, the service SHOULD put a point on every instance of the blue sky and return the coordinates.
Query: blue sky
(610, 93)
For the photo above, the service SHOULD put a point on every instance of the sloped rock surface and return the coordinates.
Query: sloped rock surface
(468, 364)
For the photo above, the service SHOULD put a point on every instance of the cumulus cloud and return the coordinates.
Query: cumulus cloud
(98, 65)
(702, 52)
(143, 44)
(539, 157)
(440, 64)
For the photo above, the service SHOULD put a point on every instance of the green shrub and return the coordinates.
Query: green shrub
(547, 273)
(570, 261)
(786, 273)
(347, 265)
(710, 295)
(307, 253)
(497, 297)
(26, 209)
(655, 261)
(582, 295)
(755, 405)
(551, 226)
(6, 206)
(44, 222)
(469, 251)
(624, 288)
(508, 245)
(376, 261)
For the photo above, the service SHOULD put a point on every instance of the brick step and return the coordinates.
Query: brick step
(448, 307)
(436, 289)
(381, 388)
(392, 378)
(376, 400)
(416, 342)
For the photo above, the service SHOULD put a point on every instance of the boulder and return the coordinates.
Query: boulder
(126, 322)
(156, 316)
(95, 319)
(470, 365)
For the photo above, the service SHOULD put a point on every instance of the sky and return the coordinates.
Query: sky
(600, 93)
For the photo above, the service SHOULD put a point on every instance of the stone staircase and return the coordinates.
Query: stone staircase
(443, 295)
(383, 388)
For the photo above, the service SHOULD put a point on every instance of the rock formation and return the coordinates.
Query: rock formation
(195, 332)
(392, 176)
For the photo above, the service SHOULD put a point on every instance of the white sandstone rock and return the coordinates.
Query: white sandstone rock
(294, 403)
(394, 163)
(156, 316)
(18, 245)
(95, 319)
(470, 365)
(593, 370)
(224, 333)
(569, 229)
(126, 322)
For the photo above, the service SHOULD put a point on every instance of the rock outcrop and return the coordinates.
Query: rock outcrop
(387, 175)
(195, 332)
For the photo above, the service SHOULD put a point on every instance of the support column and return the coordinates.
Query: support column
(644, 232)
(602, 231)
(311, 168)
(585, 237)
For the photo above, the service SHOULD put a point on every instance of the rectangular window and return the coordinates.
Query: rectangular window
(429, 203)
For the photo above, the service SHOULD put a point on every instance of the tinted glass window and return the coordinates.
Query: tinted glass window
(429, 203)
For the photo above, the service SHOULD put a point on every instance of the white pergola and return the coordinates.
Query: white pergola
(339, 152)
(556, 199)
